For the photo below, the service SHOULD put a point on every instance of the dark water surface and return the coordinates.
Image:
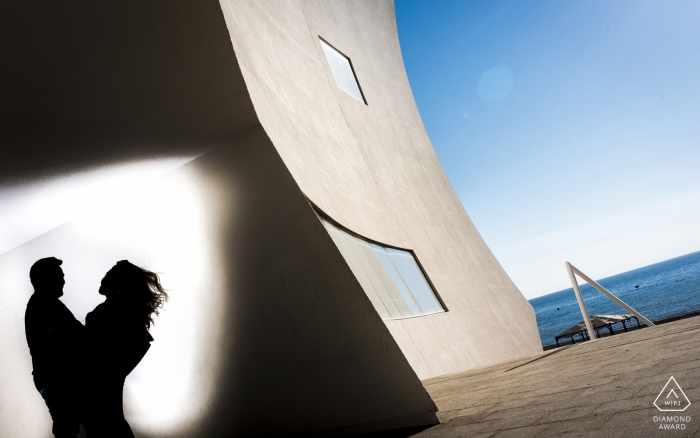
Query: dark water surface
(664, 289)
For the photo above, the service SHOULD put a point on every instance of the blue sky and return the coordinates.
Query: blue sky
(569, 130)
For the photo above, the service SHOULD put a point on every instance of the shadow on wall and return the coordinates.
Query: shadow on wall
(170, 225)
(88, 87)
(41, 148)
(54, 170)
(267, 330)
(302, 347)
(164, 64)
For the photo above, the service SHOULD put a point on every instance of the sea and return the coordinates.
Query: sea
(659, 291)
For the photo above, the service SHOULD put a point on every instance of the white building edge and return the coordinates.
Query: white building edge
(270, 327)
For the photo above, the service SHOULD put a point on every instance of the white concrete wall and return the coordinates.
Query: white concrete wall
(373, 169)
(267, 330)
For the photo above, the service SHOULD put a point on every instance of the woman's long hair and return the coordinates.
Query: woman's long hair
(139, 289)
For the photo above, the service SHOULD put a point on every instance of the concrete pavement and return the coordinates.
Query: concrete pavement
(604, 388)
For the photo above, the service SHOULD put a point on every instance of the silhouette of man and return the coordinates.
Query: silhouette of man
(54, 337)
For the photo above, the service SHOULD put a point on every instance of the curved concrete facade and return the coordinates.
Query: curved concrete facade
(268, 331)
(373, 169)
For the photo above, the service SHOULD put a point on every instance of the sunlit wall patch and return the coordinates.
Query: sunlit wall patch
(343, 72)
(391, 277)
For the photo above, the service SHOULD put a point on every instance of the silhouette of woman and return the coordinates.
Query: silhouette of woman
(118, 338)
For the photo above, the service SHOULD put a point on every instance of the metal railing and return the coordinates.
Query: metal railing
(573, 271)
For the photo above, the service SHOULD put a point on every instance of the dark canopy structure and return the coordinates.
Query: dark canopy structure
(598, 322)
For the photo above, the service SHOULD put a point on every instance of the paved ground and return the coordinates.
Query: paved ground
(604, 388)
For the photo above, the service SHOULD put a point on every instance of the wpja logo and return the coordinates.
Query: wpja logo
(672, 399)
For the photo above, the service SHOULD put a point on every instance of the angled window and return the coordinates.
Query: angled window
(391, 277)
(342, 71)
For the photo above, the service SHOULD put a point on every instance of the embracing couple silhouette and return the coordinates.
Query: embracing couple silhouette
(80, 370)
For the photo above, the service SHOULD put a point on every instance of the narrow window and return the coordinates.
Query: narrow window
(342, 71)
(391, 277)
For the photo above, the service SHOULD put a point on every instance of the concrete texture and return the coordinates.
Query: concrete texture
(267, 331)
(604, 388)
(256, 338)
(373, 169)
